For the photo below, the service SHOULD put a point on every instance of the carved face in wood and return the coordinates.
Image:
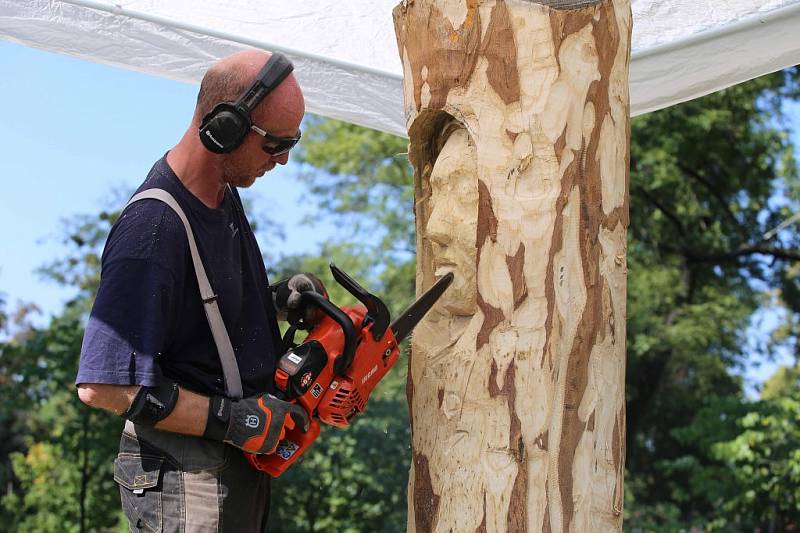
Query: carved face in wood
(452, 224)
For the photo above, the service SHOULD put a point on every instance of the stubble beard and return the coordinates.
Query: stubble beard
(235, 178)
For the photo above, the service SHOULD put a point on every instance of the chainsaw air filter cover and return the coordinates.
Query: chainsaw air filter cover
(341, 402)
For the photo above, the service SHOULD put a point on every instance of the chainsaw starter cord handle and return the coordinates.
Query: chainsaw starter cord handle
(344, 360)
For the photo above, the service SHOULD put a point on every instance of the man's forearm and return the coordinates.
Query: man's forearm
(253, 424)
(188, 417)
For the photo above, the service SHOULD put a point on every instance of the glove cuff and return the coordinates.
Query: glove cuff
(219, 414)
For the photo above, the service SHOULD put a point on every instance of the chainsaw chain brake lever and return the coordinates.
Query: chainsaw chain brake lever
(345, 359)
(377, 311)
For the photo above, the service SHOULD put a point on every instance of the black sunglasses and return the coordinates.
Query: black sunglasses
(273, 145)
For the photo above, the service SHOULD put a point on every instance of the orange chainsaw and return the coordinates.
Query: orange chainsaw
(334, 370)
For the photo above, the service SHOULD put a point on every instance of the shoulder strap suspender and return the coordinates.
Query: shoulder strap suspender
(230, 369)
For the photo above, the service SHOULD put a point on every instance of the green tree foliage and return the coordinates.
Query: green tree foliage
(786, 300)
(784, 381)
(764, 463)
(745, 458)
(60, 454)
(57, 471)
(710, 180)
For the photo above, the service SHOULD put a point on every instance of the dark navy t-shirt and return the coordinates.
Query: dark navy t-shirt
(148, 318)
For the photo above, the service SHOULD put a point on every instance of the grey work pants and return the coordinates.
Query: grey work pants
(177, 483)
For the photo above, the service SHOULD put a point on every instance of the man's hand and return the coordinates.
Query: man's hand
(255, 424)
(289, 305)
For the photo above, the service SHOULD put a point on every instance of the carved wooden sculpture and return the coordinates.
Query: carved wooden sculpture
(519, 134)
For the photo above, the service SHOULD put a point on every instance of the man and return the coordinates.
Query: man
(148, 353)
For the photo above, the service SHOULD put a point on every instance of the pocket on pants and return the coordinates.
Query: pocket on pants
(139, 478)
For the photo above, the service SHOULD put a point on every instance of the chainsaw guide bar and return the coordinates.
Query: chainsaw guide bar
(409, 318)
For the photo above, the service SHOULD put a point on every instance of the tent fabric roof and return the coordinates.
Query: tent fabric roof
(345, 53)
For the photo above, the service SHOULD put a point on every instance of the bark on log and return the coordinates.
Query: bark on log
(519, 137)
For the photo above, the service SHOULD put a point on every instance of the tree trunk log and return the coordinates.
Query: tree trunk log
(519, 138)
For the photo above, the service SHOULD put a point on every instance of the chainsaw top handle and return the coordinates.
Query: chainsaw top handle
(344, 360)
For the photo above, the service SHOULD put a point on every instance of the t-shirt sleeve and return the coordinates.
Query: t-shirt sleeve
(130, 321)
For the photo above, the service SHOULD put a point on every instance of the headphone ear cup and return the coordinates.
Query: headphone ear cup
(223, 129)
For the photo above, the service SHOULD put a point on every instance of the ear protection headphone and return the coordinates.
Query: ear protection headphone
(224, 128)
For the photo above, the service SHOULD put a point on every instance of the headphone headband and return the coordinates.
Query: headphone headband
(272, 74)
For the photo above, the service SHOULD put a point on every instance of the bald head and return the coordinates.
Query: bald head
(228, 78)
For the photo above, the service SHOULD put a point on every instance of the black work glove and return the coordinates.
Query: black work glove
(255, 424)
(289, 305)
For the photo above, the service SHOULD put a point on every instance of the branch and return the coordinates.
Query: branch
(785, 224)
(777, 253)
(667, 213)
(723, 203)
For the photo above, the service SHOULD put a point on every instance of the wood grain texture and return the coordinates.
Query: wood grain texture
(519, 137)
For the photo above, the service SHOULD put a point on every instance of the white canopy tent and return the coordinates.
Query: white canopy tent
(345, 53)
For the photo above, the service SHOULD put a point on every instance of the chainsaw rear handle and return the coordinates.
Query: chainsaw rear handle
(344, 360)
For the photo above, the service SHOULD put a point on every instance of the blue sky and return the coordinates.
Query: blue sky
(75, 131)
